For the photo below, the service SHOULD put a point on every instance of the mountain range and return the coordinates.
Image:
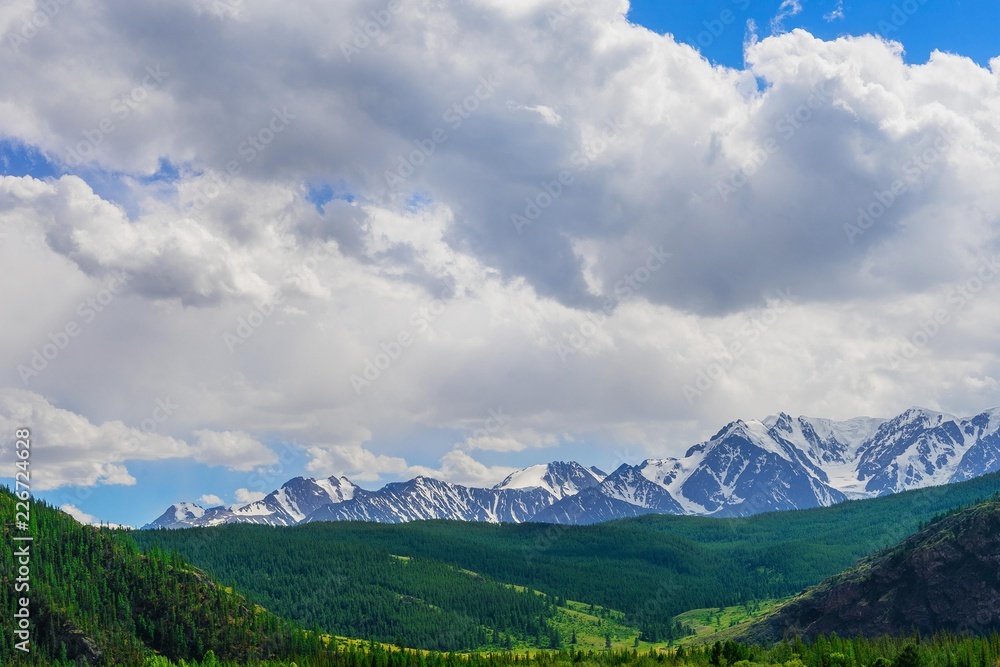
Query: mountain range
(748, 467)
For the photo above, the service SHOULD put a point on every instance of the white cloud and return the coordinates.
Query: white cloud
(211, 500)
(837, 13)
(79, 515)
(460, 468)
(787, 9)
(355, 462)
(481, 308)
(234, 449)
(72, 451)
(245, 496)
(87, 519)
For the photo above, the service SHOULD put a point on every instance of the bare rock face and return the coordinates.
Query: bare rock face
(944, 578)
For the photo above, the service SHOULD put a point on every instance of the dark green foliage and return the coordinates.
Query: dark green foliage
(652, 567)
(353, 590)
(94, 596)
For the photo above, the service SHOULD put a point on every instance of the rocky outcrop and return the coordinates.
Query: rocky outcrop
(944, 578)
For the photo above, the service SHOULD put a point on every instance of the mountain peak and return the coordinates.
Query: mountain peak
(559, 478)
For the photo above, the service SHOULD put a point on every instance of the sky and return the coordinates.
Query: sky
(245, 241)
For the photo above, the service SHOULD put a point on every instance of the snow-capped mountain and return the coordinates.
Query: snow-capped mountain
(560, 479)
(296, 499)
(748, 467)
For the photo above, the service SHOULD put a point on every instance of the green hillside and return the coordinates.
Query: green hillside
(651, 568)
(93, 596)
(354, 590)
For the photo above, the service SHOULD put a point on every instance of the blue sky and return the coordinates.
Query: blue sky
(965, 27)
(289, 383)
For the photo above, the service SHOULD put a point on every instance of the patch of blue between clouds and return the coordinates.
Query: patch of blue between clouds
(718, 28)
(322, 194)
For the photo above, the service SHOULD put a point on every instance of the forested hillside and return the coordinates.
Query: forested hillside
(354, 590)
(93, 596)
(944, 578)
(652, 568)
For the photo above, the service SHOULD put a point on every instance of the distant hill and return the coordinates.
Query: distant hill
(945, 578)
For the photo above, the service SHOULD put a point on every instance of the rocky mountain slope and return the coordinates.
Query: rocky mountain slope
(945, 578)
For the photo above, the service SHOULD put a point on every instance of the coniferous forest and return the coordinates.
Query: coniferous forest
(426, 584)
(113, 597)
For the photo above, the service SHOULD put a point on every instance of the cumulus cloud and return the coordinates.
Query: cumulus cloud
(234, 449)
(578, 220)
(79, 515)
(361, 465)
(245, 496)
(87, 519)
(461, 468)
(72, 451)
(211, 500)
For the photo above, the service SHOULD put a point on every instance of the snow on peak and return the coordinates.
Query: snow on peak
(338, 488)
(559, 478)
(187, 511)
(531, 477)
